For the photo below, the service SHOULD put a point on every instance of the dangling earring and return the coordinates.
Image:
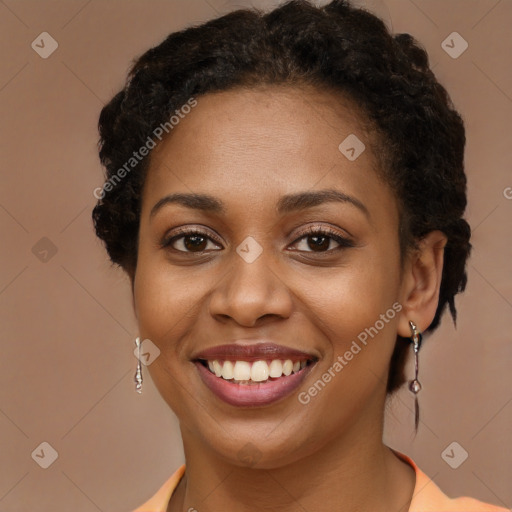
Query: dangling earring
(414, 385)
(138, 373)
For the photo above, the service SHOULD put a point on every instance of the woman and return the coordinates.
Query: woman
(286, 193)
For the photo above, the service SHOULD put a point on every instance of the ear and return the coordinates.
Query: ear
(421, 283)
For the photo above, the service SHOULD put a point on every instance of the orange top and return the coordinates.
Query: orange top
(427, 497)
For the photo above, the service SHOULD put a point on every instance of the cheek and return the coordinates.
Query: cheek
(347, 300)
(164, 300)
(356, 310)
(160, 298)
(344, 300)
(165, 303)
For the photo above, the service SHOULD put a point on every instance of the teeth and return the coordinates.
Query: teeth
(217, 368)
(287, 367)
(276, 368)
(241, 371)
(227, 370)
(259, 371)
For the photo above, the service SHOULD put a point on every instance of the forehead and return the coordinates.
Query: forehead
(267, 141)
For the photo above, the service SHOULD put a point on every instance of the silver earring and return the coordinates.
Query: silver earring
(138, 373)
(414, 385)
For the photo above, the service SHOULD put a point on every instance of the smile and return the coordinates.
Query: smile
(253, 375)
(246, 373)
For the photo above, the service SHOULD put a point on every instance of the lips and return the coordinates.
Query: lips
(253, 352)
(253, 375)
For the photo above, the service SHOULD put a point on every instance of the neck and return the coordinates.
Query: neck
(354, 469)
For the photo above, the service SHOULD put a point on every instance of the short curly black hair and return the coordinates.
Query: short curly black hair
(336, 47)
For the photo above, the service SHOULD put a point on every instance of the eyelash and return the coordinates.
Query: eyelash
(324, 231)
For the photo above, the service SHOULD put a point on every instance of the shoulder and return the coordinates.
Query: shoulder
(427, 497)
(159, 501)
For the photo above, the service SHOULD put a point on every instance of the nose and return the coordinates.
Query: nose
(251, 293)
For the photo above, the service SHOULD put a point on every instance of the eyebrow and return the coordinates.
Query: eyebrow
(286, 204)
(302, 200)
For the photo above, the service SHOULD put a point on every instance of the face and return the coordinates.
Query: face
(296, 245)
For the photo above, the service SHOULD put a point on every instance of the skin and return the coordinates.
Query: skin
(248, 148)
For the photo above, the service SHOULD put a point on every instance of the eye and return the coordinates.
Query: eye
(189, 240)
(316, 239)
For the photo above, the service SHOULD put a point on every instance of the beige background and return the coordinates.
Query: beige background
(66, 324)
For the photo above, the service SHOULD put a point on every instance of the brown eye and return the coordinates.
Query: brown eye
(195, 242)
(318, 243)
(189, 241)
(319, 240)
